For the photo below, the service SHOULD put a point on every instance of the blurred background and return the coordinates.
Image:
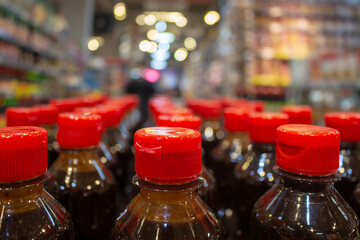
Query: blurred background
(293, 51)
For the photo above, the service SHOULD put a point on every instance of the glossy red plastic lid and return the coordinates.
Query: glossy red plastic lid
(257, 106)
(189, 121)
(22, 116)
(23, 153)
(262, 126)
(308, 149)
(348, 124)
(236, 120)
(47, 114)
(110, 115)
(76, 130)
(205, 108)
(67, 104)
(298, 114)
(171, 110)
(167, 155)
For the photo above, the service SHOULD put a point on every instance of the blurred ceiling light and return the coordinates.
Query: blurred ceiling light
(161, 26)
(180, 54)
(95, 42)
(172, 16)
(190, 43)
(153, 47)
(144, 45)
(164, 46)
(158, 65)
(151, 75)
(160, 55)
(275, 11)
(166, 37)
(140, 19)
(181, 21)
(152, 34)
(150, 20)
(120, 11)
(211, 17)
(275, 27)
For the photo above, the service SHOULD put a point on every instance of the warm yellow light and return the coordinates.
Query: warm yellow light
(181, 21)
(152, 47)
(150, 19)
(180, 54)
(144, 45)
(93, 44)
(211, 17)
(140, 19)
(152, 34)
(190, 43)
(172, 16)
(120, 11)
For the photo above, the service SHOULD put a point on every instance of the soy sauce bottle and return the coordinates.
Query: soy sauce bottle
(305, 204)
(27, 210)
(254, 173)
(348, 124)
(168, 165)
(47, 119)
(211, 132)
(207, 190)
(79, 180)
(298, 114)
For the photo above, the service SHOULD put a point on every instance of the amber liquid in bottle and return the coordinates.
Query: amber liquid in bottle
(167, 212)
(253, 177)
(27, 211)
(303, 207)
(211, 136)
(86, 188)
(53, 146)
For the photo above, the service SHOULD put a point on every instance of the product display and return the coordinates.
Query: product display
(167, 165)
(79, 180)
(304, 204)
(23, 162)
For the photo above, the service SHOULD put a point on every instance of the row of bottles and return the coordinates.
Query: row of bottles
(263, 176)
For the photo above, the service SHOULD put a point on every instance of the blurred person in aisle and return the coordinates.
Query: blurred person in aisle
(145, 89)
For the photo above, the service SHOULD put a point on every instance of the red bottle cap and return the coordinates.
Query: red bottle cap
(236, 120)
(262, 126)
(206, 108)
(22, 116)
(172, 110)
(257, 106)
(308, 149)
(347, 123)
(110, 115)
(190, 121)
(298, 114)
(48, 114)
(167, 155)
(78, 130)
(68, 104)
(23, 153)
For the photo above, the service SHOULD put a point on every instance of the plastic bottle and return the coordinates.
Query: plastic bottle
(27, 210)
(254, 173)
(305, 204)
(47, 119)
(79, 180)
(348, 124)
(207, 191)
(298, 114)
(167, 164)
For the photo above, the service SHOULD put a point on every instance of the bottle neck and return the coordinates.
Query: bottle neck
(78, 156)
(349, 145)
(263, 147)
(307, 183)
(166, 193)
(25, 189)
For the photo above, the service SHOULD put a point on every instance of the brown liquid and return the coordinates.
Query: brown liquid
(294, 209)
(87, 191)
(207, 190)
(27, 211)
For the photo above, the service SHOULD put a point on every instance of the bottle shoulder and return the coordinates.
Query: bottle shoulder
(314, 214)
(185, 220)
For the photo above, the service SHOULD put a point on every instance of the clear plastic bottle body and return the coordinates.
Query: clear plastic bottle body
(303, 207)
(168, 212)
(83, 185)
(208, 189)
(53, 146)
(29, 212)
(349, 168)
(254, 176)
